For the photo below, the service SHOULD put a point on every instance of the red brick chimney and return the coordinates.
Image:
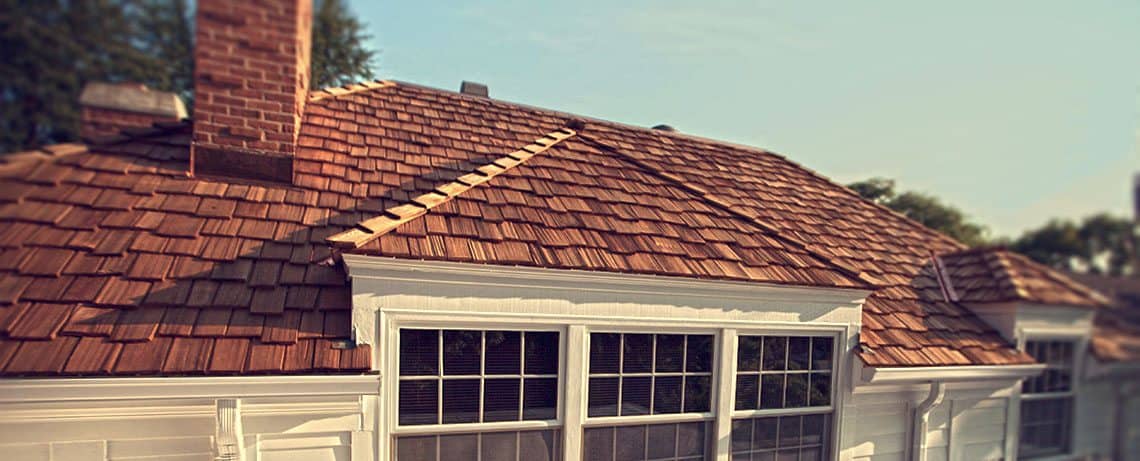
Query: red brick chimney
(251, 80)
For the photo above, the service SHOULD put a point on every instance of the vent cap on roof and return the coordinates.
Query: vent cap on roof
(473, 89)
(664, 127)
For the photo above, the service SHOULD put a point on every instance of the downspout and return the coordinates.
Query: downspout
(229, 443)
(922, 419)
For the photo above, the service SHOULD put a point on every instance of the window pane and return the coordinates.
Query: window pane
(667, 394)
(542, 353)
(418, 402)
(670, 353)
(462, 447)
(635, 395)
(630, 443)
(461, 352)
(662, 441)
(811, 454)
(605, 352)
(772, 391)
(539, 446)
(499, 446)
(504, 350)
(603, 397)
(813, 429)
(796, 394)
(419, 352)
(765, 433)
(787, 455)
(416, 449)
(799, 348)
(820, 395)
(540, 398)
(501, 400)
(775, 353)
(789, 431)
(461, 401)
(697, 394)
(821, 353)
(638, 350)
(747, 392)
(748, 353)
(691, 439)
(599, 444)
(741, 434)
(698, 354)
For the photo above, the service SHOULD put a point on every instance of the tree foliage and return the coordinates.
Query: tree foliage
(52, 48)
(1100, 243)
(926, 209)
(339, 55)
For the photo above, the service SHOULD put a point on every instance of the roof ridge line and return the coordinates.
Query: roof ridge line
(350, 88)
(372, 228)
(704, 195)
(1058, 277)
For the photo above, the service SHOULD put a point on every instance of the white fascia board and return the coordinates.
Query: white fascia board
(915, 375)
(19, 390)
(377, 267)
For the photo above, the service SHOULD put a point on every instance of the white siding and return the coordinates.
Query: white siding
(977, 429)
(321, 429)
(879, 425)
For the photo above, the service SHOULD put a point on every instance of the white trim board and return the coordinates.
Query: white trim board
(79, 389)
(911, 375)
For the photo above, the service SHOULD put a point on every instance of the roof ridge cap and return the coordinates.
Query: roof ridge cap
(705, 196)
(393, 217)
(350, 88)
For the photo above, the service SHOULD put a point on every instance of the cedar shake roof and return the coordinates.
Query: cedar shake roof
(113, 261)
(991, 275)
(1116, 331)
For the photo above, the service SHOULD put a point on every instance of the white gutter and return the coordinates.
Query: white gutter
(918, 375)
(922, 419)
(15, 390)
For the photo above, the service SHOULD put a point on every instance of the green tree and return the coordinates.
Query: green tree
(924, 208)
(52, 48)
(338, 54)
(1100, 244)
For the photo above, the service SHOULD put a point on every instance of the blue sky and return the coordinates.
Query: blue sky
(1016, 111)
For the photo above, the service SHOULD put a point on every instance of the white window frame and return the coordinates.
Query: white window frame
(574, 339)
(839, 361)
(1080, 343)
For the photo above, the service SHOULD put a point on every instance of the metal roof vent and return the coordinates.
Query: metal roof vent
(473, 89)
(664, 127)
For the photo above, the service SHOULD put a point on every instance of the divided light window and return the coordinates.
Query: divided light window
(666, 379)
(449, 377)
(783, 398)
(1047, 401)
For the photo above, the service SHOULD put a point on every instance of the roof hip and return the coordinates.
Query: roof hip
(867, 280)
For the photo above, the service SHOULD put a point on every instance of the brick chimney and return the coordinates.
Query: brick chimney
(251, 80)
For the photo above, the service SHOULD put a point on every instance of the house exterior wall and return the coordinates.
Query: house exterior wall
(969, 424)
(335, 427)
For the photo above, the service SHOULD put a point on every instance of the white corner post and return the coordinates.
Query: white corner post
(229, 439)
(922, 419)
(726, 367)
(576, 345)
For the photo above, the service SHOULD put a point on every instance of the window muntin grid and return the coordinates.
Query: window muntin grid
(686, 441)
(649, 374)
(789, 437)
(477, 376)
(783, 372)
(1047, 401)
(532, 445)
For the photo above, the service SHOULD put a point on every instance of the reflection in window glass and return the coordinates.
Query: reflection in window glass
(472, 376)
(657, 442)
(783, 372)
(649, 374)
(798, 437)
(1047, 401)
(539, 445)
